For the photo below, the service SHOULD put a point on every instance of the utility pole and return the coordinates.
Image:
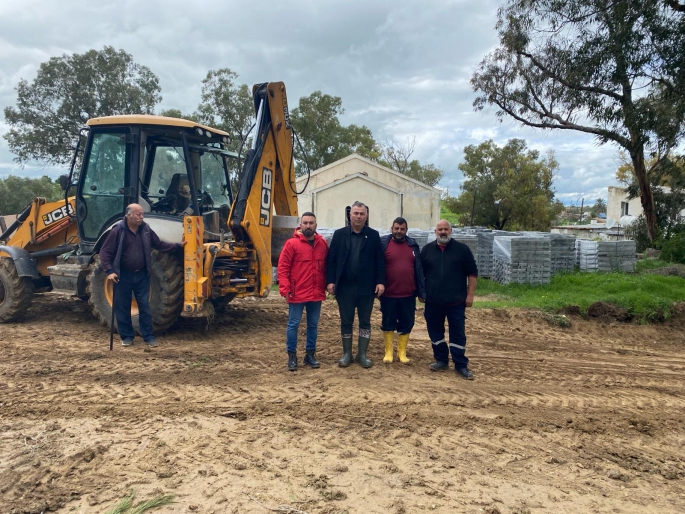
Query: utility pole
(473, 206)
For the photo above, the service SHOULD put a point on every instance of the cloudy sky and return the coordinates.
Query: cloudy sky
(402, 68)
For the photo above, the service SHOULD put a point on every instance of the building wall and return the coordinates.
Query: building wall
(618, 195)
(388, 195)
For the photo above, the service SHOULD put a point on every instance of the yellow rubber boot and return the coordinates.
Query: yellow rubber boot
(388, 336)
(402, 341)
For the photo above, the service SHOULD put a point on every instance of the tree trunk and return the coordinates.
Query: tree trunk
(638, 159)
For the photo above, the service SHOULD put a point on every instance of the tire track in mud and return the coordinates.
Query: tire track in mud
(426, 392)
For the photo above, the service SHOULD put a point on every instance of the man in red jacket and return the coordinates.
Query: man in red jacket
(302, 282)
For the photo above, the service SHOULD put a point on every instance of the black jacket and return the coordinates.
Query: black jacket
(446, 271)
(418, 268)
(371, 259)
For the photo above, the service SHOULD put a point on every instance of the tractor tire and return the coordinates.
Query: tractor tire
(166, 293)
(16, 292)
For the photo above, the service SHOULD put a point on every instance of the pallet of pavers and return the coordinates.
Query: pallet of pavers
(608, 256)
(486, 238)
(522, 260)
(562, 249)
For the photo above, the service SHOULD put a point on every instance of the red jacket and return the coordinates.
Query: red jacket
(302, 269)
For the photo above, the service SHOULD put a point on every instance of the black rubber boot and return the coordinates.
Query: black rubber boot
(361, 357)
(292, 361)
(310, 359)
(346, 359)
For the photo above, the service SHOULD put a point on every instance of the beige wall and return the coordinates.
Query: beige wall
(387, 194)
(615, 196)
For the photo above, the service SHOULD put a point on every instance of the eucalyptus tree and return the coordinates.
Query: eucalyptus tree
(613, 69)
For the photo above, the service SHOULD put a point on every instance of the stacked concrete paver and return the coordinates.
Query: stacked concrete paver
(607, 256)
(522, 260)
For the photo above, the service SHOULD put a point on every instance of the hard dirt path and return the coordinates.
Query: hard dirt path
(582, 419)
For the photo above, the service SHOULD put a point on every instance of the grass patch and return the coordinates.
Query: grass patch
(448, 215)
(125, 505)
(644, 296)
(200, 362)
(651, 263)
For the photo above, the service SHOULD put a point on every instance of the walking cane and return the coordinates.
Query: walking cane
(111, 321)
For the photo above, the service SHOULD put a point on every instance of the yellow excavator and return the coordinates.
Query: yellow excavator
(179, 171)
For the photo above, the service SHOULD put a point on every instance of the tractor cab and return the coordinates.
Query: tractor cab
(170, 166)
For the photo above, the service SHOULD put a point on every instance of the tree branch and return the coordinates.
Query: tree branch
(566, 83)
(562, 124)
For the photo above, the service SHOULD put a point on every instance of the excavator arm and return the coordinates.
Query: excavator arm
(267, 186)
(262, 215)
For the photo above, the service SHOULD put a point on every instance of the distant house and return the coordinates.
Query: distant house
(618, 204)
(388, 194)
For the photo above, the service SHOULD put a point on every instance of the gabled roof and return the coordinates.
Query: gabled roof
(355, 156)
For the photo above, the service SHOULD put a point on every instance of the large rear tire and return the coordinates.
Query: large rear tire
(16, 292)
(166, 293)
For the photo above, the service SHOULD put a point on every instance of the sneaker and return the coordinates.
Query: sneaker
(464, 373)
(152, 343)
(438, 366)
(127, 342)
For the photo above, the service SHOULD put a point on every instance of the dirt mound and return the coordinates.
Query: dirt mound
(608, 311)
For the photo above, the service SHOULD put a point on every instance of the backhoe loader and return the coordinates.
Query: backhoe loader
(179, 172)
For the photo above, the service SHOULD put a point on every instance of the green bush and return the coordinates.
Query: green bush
(673, 250)
(638, 233)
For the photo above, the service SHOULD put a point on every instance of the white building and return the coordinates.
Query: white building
(618, 204)
(388, 194)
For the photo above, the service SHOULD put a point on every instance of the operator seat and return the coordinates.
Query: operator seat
(143, 203)
(180, 188)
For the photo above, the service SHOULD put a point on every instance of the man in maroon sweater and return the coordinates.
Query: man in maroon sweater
(404, 282)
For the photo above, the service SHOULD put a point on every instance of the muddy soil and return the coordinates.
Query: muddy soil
(587, 418)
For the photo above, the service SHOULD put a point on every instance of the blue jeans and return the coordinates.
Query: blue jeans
(130, 284)
(313, 313)
(435, 315)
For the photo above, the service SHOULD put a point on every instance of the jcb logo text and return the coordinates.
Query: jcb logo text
(265, 211)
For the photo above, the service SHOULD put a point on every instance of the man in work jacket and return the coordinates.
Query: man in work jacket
(302, 282)
(126, 257)
(355, 273)
(404, 282)
(451, 274)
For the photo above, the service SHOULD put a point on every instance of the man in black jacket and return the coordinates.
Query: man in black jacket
(355, 274)
(126, 257)
(451, 274)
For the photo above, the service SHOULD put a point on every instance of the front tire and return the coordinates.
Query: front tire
(166, 293)
(16, 292)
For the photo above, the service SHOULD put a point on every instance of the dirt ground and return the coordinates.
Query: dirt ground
(587, 418)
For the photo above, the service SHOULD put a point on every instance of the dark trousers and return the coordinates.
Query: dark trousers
(138, 285)
(435, 315)
(398, 314)
(348, 301)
